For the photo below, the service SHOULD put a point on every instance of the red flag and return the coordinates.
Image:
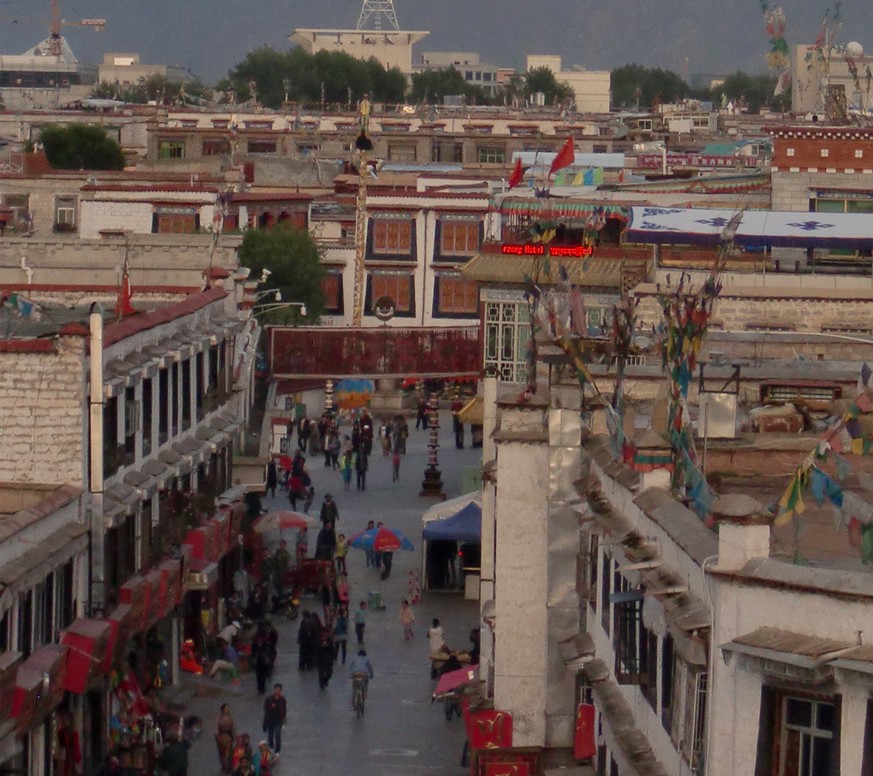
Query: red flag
(122, 303)
(517, 174)
(566, 156)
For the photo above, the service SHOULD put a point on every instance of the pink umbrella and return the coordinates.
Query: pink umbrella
(282, 520)
(455, 679)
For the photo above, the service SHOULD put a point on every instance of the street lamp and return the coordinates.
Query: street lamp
(280, 305)
(274, 292)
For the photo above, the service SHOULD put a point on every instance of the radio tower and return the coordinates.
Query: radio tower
(374, 11)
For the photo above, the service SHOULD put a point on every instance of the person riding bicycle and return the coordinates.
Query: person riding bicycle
(360, 667)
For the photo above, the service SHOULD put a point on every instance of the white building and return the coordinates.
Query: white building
(590, 87)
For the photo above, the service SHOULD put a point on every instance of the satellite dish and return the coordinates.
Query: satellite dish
(641, 342)
(854, 50)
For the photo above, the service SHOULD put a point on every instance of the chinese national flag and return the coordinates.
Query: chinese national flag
(517, 174)
(566, 156)
(122, 304)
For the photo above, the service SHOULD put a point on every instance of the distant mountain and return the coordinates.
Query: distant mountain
(210, 36)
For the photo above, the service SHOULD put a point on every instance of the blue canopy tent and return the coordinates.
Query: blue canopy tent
(440, 540)
(463, 526)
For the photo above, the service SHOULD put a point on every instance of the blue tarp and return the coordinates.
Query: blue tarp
(463, 526)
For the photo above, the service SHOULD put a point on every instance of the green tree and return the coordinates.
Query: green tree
(81, 147)
(291, 256)
(541, 79)
(635, 86)
(154, 88)
(329, 76)
(431, 86)
(752, 92)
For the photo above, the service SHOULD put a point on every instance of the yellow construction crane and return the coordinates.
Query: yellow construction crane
(56, 24)
(363, 144)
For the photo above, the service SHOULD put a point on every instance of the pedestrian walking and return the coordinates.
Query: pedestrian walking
(342, 549)
(224, 735)
(302, 432)
(304, 641)
(174, 758)
(421, 415)
(264, 760)
(347, 465)
(387, 560)
(272, 477)
(395, 465)
(377, 556)
(369, 555)
(457, 425)
(361, 621)
(341, 633)
(366, 433)
(333, 449)
(385, 438)
(329, 511)
(275, 711)
(407, 620)
(325, 657)
(361, 466)
(261, 662)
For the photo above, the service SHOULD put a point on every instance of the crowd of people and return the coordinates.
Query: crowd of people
(323, 633)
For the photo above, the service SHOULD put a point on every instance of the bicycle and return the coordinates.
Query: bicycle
(359, 692)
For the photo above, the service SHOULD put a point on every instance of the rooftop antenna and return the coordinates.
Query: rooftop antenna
(374, 12)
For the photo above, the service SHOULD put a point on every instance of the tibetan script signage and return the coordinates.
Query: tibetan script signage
(539, 249)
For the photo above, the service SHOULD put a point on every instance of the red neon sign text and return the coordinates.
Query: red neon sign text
(538, 249)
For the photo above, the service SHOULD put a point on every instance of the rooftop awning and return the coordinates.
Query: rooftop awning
(32, 566)
(806, 657)
(504, 268)
(757, 229)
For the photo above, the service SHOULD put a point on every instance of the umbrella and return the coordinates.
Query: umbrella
(381, 540)
(455, 679)
(282, 520)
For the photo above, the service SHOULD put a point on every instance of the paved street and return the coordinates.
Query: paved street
(402, 732)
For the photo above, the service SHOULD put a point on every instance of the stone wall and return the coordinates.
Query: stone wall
(792, 186)
(42, 400)
(156, 260)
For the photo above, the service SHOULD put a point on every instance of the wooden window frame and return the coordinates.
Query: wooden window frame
(449, 288)
(392, 237)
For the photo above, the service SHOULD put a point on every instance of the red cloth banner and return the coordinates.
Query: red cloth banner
(584, 747)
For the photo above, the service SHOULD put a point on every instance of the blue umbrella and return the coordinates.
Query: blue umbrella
(381, 539)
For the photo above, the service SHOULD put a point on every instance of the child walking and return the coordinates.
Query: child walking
(407, 619)
(361, 622)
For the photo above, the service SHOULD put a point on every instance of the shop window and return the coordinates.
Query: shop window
(25, 624)
(457, 296)
(667, 671)
(174, 400)
(459, 238)
(65, 214)
(112, 459)
(396, 285)
(171, 149)
(401, 153)
(175, 223)
(332, 288)
(216, 146)
(688, 717)
(163, 405)
(392, 236)
(629, 637)
(132, 424)
(262, 146)
(199, 380)
(491, 155)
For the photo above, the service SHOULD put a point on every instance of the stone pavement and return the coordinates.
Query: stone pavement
(402, 732)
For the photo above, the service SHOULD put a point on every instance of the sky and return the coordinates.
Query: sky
(210, 36)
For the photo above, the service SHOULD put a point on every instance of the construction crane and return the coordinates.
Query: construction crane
(364, 145)
(56, 24)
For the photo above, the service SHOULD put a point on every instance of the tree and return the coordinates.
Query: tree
(155, 88)
(634, 86)
(332, 77)
(81, 147)
(752, 92)
(291, 256)
(431, 86)
(542, 79)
